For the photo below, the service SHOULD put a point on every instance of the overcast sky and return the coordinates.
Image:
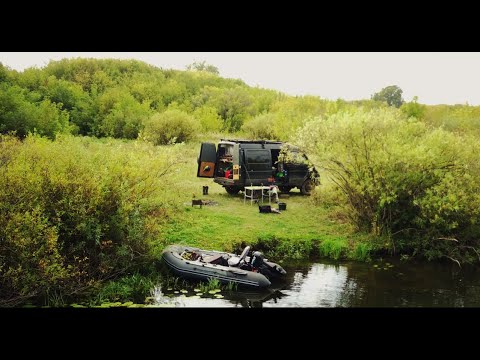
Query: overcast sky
(436, 78)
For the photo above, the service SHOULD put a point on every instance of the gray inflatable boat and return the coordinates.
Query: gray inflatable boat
(251, 270)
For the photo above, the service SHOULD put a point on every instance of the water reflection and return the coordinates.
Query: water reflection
(321, 286)
(350, 284)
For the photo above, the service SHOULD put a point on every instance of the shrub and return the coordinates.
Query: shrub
(120, 115)
(261, 127)
(18, 114)
(169, 127)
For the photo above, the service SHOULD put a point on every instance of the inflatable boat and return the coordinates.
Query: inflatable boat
(247, 269)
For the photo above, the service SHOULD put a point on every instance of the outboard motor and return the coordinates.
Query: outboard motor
(257, 260)
(265, 267)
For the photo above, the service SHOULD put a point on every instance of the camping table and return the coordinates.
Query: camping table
(249, 193)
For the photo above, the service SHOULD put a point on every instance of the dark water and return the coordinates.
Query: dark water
(385, 283)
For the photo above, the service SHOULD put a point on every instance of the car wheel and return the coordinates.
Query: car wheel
(232, 190)
(307, 187)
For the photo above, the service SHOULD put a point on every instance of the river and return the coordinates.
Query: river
(381, 283)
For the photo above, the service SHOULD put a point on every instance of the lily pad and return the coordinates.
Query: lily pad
(169, 289)
(197, 290)
(218, 296)
(176, 292)
(183, 291)
(212, 292)
(199, 294)
(375, 265)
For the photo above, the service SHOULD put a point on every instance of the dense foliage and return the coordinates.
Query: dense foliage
(170, 127)
(71, 218)
(119, 98)
(401, 178)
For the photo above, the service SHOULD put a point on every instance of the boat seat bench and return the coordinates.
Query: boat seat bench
(212, 259)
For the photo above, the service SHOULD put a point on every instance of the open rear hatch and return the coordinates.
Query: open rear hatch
(207, 160)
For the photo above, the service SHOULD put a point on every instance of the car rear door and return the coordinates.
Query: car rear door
(207, 160)
(258, 166)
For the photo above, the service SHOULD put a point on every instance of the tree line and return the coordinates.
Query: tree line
(130, 99)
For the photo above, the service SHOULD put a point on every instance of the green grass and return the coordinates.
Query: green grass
(231, 222)
(128, 288)
(211, 284)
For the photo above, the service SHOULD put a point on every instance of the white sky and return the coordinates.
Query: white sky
(436, 78)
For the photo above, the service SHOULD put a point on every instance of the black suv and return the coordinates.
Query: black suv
(235, 164)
